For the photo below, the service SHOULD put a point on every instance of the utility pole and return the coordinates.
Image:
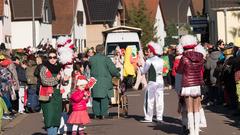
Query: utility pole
(178, 8)
(73, 27)
(33, 24)
(225, 24)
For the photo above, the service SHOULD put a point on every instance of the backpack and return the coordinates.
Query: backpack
(31, 79)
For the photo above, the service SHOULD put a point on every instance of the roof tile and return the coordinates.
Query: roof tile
(62, 25)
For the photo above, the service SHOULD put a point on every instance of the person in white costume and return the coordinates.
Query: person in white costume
(154, 89)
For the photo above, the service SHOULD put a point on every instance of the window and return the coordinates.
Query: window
(6, 2)
(111, 47)
(46, 18)
(79, 18)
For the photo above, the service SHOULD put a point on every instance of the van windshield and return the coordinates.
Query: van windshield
(111, 47)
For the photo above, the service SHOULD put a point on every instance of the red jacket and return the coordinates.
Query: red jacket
(175, 65)
(191, 67)
(78, 100)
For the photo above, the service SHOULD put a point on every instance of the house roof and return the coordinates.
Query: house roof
(100, 11)
(197, 7)
(64, 12)
(22, 9)
(151, 6)
(223, 3)
(1, 7)
(170, 10)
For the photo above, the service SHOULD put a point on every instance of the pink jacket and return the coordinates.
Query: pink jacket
(78, 100)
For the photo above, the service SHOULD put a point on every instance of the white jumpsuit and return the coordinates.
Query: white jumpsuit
(155, 88)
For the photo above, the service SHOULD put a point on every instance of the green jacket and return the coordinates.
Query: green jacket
(103, 69)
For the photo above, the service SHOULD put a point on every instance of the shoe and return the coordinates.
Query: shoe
(160, 122)
(146, 121)
(6, 117)
(82, 128)
(135, 89)
(185, 131)
(22, 113)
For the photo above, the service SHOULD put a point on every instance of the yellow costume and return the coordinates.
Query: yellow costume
(128, 68)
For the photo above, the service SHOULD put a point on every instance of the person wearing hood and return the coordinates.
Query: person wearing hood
(129, 72)
(210, 66)
(191, 67)
(154, 92)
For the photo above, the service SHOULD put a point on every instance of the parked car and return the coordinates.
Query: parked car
(121, 36)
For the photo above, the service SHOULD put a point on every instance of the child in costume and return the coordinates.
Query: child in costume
(79, 98)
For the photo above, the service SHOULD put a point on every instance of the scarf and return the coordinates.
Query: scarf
(54, 69)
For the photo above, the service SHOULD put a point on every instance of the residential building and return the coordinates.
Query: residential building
(70, 21)
(100, 15)
(155, 14)
(22, 24)
(223, 18)
(5, 23)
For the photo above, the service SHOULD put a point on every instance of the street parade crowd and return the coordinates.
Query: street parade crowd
(63, 84)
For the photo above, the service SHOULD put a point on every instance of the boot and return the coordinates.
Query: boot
(190, 123)
(197, 122)
(203, 122)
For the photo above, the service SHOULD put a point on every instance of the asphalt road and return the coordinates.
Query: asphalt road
(219, 120)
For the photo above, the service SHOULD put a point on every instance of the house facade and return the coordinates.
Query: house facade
(160, 25)
(101, 15)
(22, 24)
(154, 12)
(5, 23)
(223, 20)
(70, 20)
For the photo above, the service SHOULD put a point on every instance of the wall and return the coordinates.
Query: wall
(21, 34)
(80, 30)
(1, 31)
(94, 35)
(43, 33)
(232, 22)
(161, 34)
(6, 25)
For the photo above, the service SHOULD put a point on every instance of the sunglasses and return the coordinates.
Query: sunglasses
(54, 57)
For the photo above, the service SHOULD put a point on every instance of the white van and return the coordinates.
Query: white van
(121, 36)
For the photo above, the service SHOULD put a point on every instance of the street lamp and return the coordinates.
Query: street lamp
(178, 7)
(33, 24)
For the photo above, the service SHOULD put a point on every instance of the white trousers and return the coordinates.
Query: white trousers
(21, 100)
(140, 79)
(154, 94)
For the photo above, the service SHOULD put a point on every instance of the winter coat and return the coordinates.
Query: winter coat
(166, 66)
(12, 69)
(21, 72)
(191, 67)
(51, 109)
(31, 79)
(175, 65)
(78, 100)
(102, 69)
(211, 64)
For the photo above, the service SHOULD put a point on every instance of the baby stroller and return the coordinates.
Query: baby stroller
(120, 98)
